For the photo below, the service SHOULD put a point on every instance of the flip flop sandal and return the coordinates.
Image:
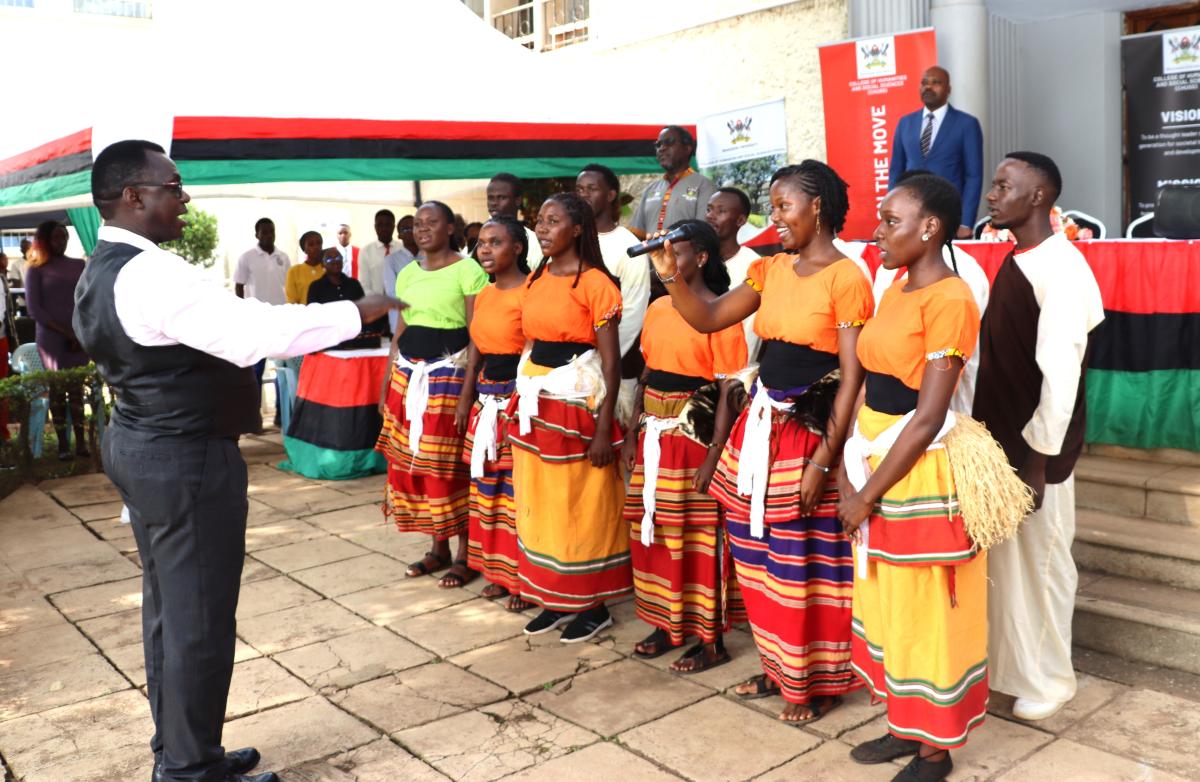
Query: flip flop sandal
(704, 661)
(516, 604)
(456, 580)
(496, 592)
(762, 688)
(422, 568)
(817, 711)
(659, 643)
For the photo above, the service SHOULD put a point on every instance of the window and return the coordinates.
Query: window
(136, 9)
(542, 25)
(16, 3)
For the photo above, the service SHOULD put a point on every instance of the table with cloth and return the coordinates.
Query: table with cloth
(335, 419)
(1143, 380)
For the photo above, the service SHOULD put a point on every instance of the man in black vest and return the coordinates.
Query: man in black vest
(178, 352)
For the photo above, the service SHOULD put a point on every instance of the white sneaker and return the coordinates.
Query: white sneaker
(1033, 711)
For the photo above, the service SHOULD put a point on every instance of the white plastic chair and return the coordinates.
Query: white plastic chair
(26, 359)
(1085, 220)
(287, 380)
(1129, 229)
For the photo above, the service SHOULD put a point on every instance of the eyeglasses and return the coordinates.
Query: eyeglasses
(175, 189)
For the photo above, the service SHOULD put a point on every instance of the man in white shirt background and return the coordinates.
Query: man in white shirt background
(348, 252)
(727, 211)
(177, 350)
(372, 255)
(599, 186)
(261, 273)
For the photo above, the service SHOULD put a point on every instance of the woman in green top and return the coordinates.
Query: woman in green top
(428, 482)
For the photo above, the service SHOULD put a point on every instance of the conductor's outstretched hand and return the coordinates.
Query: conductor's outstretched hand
(374, 306)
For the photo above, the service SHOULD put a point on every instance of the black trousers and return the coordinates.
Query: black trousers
(187, 503)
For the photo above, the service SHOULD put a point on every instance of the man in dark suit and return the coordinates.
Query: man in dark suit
(943, 140)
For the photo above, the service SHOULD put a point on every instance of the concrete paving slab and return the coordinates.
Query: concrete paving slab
(1149, 727)
(302, 625)
(27, 613)
(99, 600)
(351, 575)
(306, 499)
(419, 695)
(744, 663)
(105, 564)
(603, 761)
(461, 627)
(527, 663)
(359, 518)
(261, 684)
(260, 513)
(309, 553)
(354, 658)
(272, 594)
(295, 733)
(42, 646)
(1067, 761)
(829, 762)
(493, 741)
(405, 547)
(103, 510)
(618, 697)
(1091, 693)
(41, 688)
(281, 532)
(29, 509)
(90, 489)
(379, 761)
(384, 605)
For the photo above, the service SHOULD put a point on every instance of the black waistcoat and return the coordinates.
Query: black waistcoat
(169, 391)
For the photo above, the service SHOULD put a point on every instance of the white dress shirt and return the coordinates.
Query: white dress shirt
(161, 299)
(263, 274)
(939, 116)
(370, 265)
(392, 265)
(634, 274)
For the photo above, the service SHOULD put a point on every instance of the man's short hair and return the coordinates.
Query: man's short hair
(912, 172)
(260, 222)
(118, 166)
(605, 173)
(513, 180)
(742, 199)
(684, 135)
(385, 213)
(1044, 166)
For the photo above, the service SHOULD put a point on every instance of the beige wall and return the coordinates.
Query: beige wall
(742, 60)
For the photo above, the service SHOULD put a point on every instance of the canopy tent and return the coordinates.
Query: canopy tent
(412, 108)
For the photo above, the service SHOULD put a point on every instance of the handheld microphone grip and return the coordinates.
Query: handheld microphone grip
(681, 234)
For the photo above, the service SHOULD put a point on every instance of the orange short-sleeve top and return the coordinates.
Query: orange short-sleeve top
(669, 344)
(914, 327)
(554, 311)
(809, 310)
(496, 326)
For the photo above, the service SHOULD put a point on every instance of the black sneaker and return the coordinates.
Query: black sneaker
(921, 770)
(546, 621)
(884, 749)
(586, 624)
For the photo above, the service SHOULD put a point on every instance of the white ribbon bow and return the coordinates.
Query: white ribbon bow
(416, 396)
(754, 466)
(483, 447)
(651, 455)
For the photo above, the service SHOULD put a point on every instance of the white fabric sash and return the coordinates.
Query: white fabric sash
(483, 447)
(416, 396)
(581, 378)
(651, 455)
(754, 466)
(858, 449)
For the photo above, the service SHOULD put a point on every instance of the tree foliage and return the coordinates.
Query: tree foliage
(198, 245)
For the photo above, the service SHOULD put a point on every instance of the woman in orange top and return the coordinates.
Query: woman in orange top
(774, 480)
(674, 525)
(920, 587)
(496, 345)
(574, 550)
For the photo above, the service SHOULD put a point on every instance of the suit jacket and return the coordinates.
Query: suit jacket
(956, 154)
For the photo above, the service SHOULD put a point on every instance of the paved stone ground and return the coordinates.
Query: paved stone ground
(348, 672)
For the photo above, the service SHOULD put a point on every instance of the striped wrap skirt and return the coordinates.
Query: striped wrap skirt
(492, 542)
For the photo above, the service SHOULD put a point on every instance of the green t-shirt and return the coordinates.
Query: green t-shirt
(437, 299)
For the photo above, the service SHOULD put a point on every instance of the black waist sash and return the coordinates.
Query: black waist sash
(500, 367)
(886, 394)
(429, 344)
(785, 365)
(662, 380)
(557, 354)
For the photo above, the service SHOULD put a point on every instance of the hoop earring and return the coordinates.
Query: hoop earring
(924, 237)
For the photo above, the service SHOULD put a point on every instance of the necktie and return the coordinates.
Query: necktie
(927, 136)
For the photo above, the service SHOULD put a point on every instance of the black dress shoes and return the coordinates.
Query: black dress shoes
(237, 762)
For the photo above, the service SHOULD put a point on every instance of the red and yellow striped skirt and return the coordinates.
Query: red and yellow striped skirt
(492, 542)
(428, 491)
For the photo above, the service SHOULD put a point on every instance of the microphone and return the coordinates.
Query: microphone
(680, 234)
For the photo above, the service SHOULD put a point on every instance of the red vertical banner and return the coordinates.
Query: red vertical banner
(867, 85)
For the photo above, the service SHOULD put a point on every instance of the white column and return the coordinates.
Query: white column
(881, 17)
(962, 42)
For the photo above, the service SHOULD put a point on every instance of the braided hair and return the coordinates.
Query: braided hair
(816, 179)
(940, 199)
(516, 232)
(447, 213)
(587, 244)
(704, 240)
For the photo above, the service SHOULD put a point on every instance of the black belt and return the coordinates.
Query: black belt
(786, 365)
(557, 354)
(500, 367)
(428, 344)
(661, 380)
(887, 394)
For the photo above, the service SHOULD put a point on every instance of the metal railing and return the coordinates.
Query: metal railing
(134, 9)
(542, 25)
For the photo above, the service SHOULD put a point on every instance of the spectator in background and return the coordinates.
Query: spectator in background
(347, 252)
(404, 231)
(682, 193)
(392, 264)
(944, 141)
(371, 257)
(50, 281)
(336, 286)
(472, 236)
(300, 276)
(261, 274)
(17, 266)
(504, 199)
(727, 211)
(600, 188)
